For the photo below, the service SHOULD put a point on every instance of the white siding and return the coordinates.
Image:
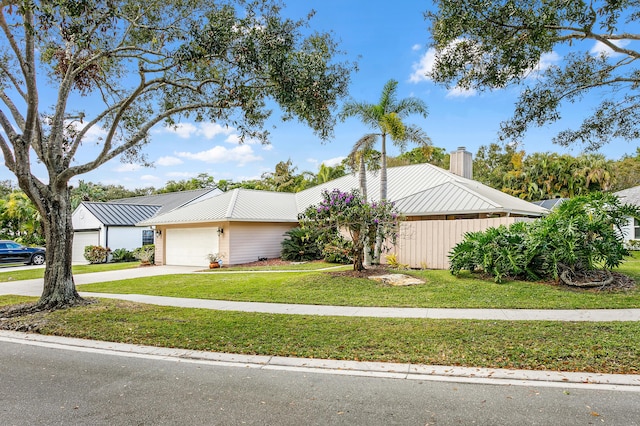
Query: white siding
(250, 241)
(84, 219)
(127, 237)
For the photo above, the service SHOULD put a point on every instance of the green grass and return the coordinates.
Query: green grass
(543, 345)
(441, 290)
(306, 266)
(30, 274)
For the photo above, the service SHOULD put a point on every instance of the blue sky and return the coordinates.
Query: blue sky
(388, 42)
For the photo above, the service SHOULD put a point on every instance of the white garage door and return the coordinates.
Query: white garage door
(190, 246)
(80, 240)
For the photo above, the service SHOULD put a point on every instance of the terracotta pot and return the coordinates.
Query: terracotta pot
(214, 265)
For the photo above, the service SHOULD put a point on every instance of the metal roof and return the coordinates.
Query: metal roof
(170, 200)
(551, 203)
(419, 189)
(112, 214)
(236, 205)
(629, 195)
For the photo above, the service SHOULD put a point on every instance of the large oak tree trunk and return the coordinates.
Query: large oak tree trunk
(59, 288)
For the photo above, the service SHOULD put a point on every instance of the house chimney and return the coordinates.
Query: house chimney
(461, 163)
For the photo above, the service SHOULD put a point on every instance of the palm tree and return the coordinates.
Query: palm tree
(386, 118)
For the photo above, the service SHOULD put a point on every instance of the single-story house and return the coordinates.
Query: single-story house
(631, 196)
(244, 225)
(113, 224)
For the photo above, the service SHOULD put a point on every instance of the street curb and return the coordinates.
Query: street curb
(496, 376)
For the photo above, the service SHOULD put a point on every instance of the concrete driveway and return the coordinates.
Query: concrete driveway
(34, 287)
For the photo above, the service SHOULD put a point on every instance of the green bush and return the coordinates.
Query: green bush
(300, 245)
(96, 254)
(122, 255)
(582, 234)
(145, 254)
(338, 250)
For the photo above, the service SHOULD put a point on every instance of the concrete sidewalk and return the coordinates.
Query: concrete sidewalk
(34, 288)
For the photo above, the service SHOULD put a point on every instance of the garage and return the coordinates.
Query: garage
(81, 239)
(190, 246)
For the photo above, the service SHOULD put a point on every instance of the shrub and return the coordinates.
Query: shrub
(145, 254)
(583, 234)
(96, 254)
(122, 255)
(300, 245)
(392, 262)
(338, 250)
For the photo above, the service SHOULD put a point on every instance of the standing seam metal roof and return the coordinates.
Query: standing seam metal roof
(422, 189)
(120, 214)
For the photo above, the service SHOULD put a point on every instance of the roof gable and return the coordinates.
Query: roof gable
(629, 195)
(170, 200)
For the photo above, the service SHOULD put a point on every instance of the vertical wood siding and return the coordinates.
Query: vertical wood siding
(428, 242)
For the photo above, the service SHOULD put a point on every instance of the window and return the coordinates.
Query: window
(147, 237)
(636, 229)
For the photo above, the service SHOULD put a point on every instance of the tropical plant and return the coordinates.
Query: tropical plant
(338, 250)
(96, 254)
(145, 254)
(300, 245)
(122, 255)
(387, 119)
(583, 234)
(348, 212)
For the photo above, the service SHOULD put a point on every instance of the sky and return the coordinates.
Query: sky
(388, 42)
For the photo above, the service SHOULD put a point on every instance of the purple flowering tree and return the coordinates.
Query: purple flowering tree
(347, 213)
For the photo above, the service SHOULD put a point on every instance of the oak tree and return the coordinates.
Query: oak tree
(68, 68)
(490, 44)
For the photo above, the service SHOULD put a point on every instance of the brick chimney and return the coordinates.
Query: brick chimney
(461, 163)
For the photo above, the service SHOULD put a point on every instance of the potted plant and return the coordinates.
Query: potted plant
(215, 260)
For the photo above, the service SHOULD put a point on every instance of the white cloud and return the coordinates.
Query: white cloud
(241, 155)
(235, 139)
(267, 147)
(168, 161)
(149, 178)
(332, 162)
(423, 67)
(211, 130)
(602, 49)
(182, 130)
(94, 134)
(123, 168)
(416, 47)
(459, 92)
(547, 60)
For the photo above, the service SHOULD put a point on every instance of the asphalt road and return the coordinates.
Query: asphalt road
(46, 386)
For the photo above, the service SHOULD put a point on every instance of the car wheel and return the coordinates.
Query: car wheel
(37, 259)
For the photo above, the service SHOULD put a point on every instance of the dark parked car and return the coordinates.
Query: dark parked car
(12, 252)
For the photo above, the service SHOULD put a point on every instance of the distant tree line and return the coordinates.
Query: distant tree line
(531, 177)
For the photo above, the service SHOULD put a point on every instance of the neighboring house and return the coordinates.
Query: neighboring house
(113, 224)
(551, 203)
(245, 225)
(631, 196)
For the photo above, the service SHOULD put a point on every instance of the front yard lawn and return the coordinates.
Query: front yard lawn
(441, 290)
(35, 273)
(541, 345)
